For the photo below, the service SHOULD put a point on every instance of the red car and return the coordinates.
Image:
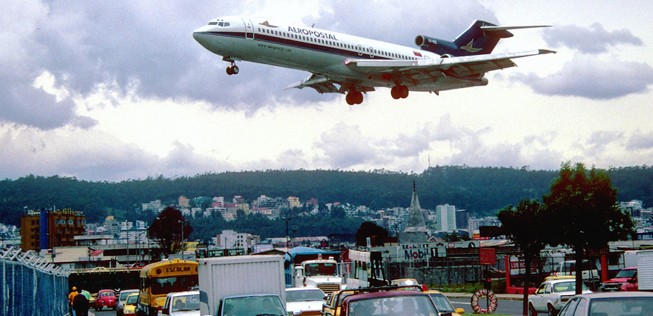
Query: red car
(625, 280)
(399, 302)
(106, 298)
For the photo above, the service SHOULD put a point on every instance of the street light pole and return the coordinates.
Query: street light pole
(181, 222)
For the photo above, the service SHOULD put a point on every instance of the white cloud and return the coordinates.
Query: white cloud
(592, 40)
(119, 90)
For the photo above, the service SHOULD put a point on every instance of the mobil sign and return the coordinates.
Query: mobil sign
(422, 251)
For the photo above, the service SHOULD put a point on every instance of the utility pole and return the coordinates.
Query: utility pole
(182, 222)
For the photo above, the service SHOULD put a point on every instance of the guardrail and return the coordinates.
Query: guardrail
(30, 285)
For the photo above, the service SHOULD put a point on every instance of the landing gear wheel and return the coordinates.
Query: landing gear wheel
(232, 70)
(354, 97)
(399, 92)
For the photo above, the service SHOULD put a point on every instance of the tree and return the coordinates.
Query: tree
(526, 225)
(169, 230)
(376, 233)
(584, 206)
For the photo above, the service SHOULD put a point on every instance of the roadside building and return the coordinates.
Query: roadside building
(46, 229)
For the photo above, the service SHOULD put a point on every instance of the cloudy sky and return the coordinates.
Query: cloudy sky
(116, 90)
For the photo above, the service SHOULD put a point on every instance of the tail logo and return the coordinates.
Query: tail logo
(470, 47)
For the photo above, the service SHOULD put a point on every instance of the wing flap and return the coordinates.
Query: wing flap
(461, 66)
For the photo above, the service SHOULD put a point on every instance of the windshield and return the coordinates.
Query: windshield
(312, 269)
(567, 286)
(186, 303)
(173, 284)
(304, 295)
(124, 294)
(260, 305)
(626, 273)
(442, 303)
(398, 305)
(132, 299)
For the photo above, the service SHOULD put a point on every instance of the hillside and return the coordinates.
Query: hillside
(478, 190)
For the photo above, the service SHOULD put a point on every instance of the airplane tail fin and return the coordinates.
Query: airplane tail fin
(480, 38)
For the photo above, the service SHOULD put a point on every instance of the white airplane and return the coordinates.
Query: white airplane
(341, 63)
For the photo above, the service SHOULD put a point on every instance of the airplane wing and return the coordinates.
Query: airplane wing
(318, 82)
(461, 67)
(323, 84)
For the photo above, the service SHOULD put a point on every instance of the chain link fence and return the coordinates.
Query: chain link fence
(30, 285)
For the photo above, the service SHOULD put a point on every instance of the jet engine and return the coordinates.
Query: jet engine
(435, 45)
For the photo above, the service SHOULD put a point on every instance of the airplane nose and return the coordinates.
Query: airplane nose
(200, 35)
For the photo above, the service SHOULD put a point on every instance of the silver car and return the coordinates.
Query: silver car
(607, 304)
(122, 296)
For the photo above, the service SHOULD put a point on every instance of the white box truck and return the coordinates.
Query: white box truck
(242, 285)
(645, 270)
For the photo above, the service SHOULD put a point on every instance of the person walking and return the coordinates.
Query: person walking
(80, 305)
(71, 297)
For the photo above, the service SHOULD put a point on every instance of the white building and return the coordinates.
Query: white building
(445, 216)
(230, 239)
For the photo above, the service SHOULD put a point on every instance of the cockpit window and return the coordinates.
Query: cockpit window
(219, 23)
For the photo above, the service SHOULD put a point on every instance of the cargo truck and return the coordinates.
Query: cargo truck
(645, 270)
(242, 285)
(319, 273)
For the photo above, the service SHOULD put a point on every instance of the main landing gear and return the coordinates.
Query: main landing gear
(354, 97)
(399, 92)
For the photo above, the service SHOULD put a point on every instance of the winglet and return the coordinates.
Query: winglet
(546, 51)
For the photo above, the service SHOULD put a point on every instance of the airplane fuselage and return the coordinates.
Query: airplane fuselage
(302, 48)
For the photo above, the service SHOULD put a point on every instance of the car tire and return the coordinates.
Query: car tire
(531, 310)
(552, 311)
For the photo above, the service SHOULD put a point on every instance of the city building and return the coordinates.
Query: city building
(183, 202)
(462, 218)
(47, 229)
(445, 218)
(230, 239)
(293, 202)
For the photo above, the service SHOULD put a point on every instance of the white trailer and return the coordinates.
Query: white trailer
(645, 270)
(242, 285)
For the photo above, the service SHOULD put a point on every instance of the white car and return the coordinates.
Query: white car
(552, 295)
(182, 304)
(304, 300)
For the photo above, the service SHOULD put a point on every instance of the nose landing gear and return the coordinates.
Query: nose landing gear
(232, 70)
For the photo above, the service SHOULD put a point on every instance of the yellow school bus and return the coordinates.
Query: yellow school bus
(160, 278)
